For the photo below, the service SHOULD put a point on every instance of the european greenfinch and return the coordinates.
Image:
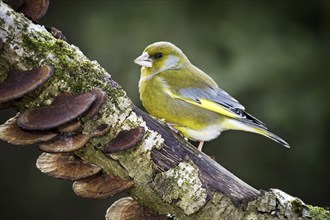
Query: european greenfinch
(172, 88)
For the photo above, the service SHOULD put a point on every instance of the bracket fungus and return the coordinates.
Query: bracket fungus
(13, 134)
(70, 126)
(103, 186)
(19, 83)
(56, 33)
(101, 130)
(128, 209)
(35, 9)
(125, 140)
(98, 103)
(65, 143)
(65, 166)
(65, 108)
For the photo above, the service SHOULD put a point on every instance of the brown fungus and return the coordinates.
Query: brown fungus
(101, 130)
(34, 9)
(70, 126)
(13, 134)
(125, 140)
(19, 83)
(65, 143)
(56, 33)
(65, 166)
(65, 108)
(97, 105)
(101, 187)
(128, 209)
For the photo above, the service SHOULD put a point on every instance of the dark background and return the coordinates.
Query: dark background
(273, 56)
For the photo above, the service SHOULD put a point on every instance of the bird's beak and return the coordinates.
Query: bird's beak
(144, 60)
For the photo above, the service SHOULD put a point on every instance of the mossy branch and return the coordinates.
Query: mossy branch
(170, 176)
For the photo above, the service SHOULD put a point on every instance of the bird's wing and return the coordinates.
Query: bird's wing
(214, 94)
(209, 96)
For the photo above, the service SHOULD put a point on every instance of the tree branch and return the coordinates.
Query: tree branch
(169, 175)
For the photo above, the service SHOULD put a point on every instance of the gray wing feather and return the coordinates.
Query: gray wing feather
(222, 98)
(214, 94)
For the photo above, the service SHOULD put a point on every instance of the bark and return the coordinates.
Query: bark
(170, 176)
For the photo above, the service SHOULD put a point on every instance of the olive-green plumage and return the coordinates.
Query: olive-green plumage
(173, 89)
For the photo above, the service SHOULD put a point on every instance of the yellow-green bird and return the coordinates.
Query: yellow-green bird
(172, 88)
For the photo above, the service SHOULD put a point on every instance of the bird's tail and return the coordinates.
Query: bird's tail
(254, 128)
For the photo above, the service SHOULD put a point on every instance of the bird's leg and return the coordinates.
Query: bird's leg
(200, 145)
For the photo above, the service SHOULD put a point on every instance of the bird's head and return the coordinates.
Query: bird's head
(161, 56)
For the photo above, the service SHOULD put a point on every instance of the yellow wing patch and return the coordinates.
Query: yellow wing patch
(213, 106)
(206, 104)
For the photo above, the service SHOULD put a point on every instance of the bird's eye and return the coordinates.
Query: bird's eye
(159, 55)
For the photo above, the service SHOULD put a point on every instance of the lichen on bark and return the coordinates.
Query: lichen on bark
(182, 186)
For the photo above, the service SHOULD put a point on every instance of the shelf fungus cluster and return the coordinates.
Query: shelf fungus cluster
(58, 130)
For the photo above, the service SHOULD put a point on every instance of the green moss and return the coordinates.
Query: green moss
(78, 77)
(73, 73)
(318, 213)
(45, 45)
(297, 206)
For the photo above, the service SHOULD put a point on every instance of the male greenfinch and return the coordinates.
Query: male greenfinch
(172, 88)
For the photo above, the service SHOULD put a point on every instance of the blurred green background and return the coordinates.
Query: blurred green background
(273, 56)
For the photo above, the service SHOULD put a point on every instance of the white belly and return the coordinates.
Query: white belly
(205, 134)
